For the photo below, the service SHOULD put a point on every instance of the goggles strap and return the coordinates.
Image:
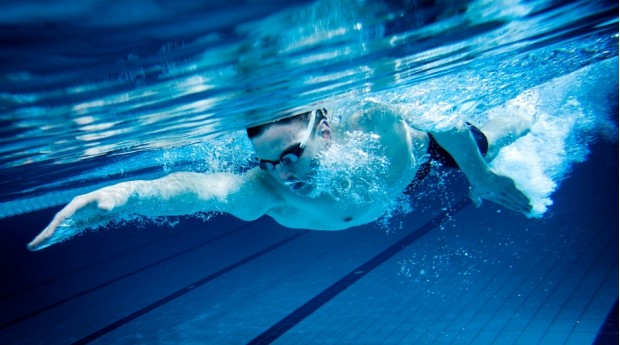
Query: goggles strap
(308, 132)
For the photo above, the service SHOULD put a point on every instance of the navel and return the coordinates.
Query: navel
(348, 219)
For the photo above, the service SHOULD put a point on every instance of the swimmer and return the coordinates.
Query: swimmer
(281, 186)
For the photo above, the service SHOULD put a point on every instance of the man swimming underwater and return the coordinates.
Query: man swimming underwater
(282, 186)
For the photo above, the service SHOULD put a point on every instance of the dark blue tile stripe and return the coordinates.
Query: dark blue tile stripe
(295, 317)
(13, 294)
(608, 334)
(118, 323)
(116, 279)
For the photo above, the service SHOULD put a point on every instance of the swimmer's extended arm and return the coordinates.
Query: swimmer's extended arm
(484, 183)
(176, 194)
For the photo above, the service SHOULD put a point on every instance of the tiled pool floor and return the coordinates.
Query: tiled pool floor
(479, 276)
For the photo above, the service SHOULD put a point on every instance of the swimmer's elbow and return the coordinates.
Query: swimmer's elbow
(218, 192)
(219, 186)
(204, 186)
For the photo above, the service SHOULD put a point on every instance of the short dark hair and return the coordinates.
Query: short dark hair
(258, 130)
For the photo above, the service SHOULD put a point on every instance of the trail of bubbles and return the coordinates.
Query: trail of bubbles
(426, 267)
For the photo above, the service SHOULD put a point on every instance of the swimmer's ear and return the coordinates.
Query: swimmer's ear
(324, 130)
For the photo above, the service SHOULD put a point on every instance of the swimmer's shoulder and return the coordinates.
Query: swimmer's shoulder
(374, 115)
(262, 186)
(257, 194)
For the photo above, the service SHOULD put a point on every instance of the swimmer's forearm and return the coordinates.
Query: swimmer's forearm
(463, 148)
(176, 194)
(484, 183)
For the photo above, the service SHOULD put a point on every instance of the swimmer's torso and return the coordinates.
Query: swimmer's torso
(403, 148)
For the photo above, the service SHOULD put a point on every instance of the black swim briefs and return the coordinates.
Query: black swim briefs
(437, 154)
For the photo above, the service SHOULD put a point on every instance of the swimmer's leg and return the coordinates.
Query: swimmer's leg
(503, 131)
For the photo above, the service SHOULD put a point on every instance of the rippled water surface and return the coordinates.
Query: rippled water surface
(94, 91)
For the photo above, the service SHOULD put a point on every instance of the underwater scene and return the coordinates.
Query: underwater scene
(309, 172)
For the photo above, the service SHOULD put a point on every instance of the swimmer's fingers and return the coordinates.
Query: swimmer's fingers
(512, 198)
(502, 191)
(491, 196)
(509, 202)
(42, 239)
(46, 237)
(519, 202)
(50, 235)
(477, 200)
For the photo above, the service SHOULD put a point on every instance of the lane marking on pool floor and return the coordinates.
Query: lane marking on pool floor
(608, 333)
(191, 287)
(74, 296)
(295, 317)
(309, 307)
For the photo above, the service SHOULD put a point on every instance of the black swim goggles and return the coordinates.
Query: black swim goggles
(293, 153)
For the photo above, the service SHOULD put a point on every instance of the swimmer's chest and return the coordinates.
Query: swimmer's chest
(321, 214)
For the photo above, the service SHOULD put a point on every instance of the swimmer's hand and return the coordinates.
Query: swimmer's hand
(500, 190)
(84, 211)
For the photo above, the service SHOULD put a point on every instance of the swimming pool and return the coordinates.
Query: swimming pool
(94, 94)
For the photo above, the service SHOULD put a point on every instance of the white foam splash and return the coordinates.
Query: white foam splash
(568, 118)
(353, 168)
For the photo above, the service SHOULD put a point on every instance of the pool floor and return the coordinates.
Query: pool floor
(456, 276)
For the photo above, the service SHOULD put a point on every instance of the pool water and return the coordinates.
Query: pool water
(95, 93)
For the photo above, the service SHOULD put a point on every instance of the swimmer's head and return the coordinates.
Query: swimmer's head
(288, 148)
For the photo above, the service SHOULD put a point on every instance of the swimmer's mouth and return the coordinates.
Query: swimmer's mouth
(299, 186)
(294, 185)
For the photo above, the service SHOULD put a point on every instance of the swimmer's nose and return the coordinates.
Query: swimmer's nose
(284, 173)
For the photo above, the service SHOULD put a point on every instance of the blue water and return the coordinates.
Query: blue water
(93, 93)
